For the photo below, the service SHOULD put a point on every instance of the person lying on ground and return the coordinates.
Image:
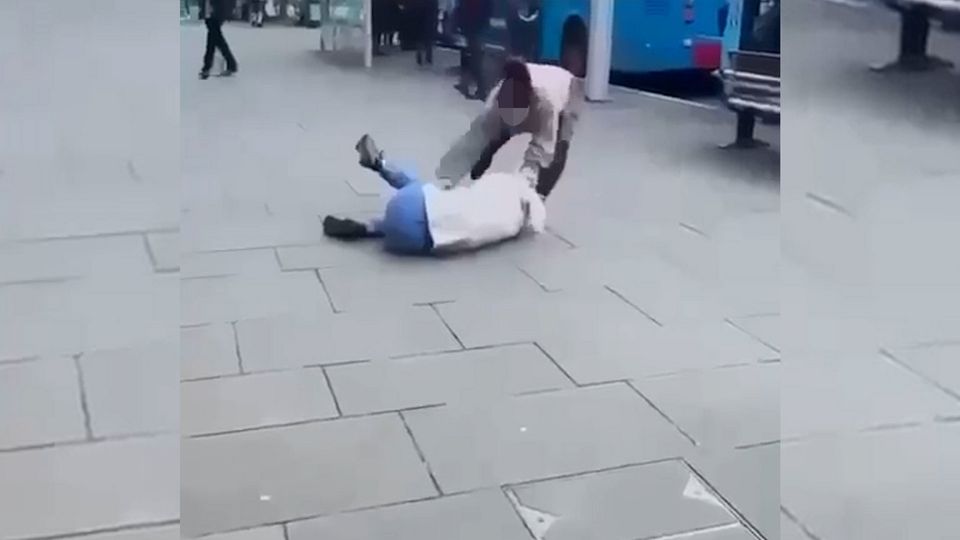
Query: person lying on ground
(544, 101)
(423, 219)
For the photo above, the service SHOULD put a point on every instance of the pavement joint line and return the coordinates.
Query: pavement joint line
(829, 204)
(333, 394)
(663, 414)
(104, 530)
(39, 281)
(286, 531)
(83, 442)
(515, 503)
(132, 171)
(236, 346)
(560, 237)
(463, 350)
(84, 403)
(796, 521)
(757, 445)
(21, 360)
(727, 505)
(893, 359)
(448, 327)
(276, 256)
(533, 279)
(111, 234)
(556, 364)
(150, 254)
(420, 454)
(589, 472)
(326, 292)
(692, 229)
(247, 373)
(695, 532)
(253, 248)
(616, 293)
(750, 334)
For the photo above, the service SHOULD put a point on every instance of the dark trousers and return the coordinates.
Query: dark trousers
(471, 64)
(426, 34)
(546, 179)
(215, 40)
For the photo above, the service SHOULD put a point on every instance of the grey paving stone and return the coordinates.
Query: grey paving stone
(675, 299)
(64, 259)
(165, 248)
(232, 298)
(40, 403)
(542, 435)
(747, 479)
(721, 408)
(250, 232)
(878, 486)
(766, 328)
(89, 487)
(419, 281)
(208, 351)
(282, 474)
(539, 315)
(790, 530)
(838, 394)
(646, 501)
(940, 363)
(624, 349)
(731, 533)
(295, 342)
(481, 515)
(133, 390)
(249, 401)
(171, 532)
(227, 263)
(330, 254)
(259, 533)
(460, 377)
(42, 319)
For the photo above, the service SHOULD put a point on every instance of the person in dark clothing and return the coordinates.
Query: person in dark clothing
(473, 17)
(386, 15)
(424, 20)
(523, 29)
(215, 13)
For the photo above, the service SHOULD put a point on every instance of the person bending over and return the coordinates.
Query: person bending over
(422, 219)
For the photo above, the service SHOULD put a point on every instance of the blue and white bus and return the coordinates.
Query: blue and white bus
(648, 35)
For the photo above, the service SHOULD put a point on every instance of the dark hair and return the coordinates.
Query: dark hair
(516, 78)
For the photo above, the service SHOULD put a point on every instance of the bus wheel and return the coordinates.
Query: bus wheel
(573, 55)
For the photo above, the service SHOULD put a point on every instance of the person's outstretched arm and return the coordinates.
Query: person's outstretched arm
(470, 150)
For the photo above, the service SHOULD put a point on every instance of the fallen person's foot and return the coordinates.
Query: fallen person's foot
(344, 229)
(370, 156)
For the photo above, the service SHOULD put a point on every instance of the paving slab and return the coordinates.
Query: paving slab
(620, 350)
(538, 315)
(645, 501)
(73, 258)
(451, 378)
(840, 394)
(227, 263)
(255, 400)
(766, 328)
(721, 408)
(170, 532)
(480, 515)
(62, 490)
(296, 472)
(749, 480)
(40, 403)
(853, 487)
(542, 435)
(941, 364)
(287, 342)
(259, 533)
(165, 251)
(208, 351)
(231, 298)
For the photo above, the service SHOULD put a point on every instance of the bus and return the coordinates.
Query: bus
(649, 36)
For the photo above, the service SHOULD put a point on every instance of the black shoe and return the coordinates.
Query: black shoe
(204, 75)
(229, 72)
(370, 156)
(344, 229)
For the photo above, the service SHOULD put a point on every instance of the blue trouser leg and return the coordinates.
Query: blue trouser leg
(404, 225)
(397, 175)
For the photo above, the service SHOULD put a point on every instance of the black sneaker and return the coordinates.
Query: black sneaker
(370, 156)
(229, 72)
(204, 75)
(344, 229)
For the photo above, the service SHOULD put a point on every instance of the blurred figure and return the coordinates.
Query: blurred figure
(544, 101)
(421, 219)
(473, 17)
(386, 15)
(257, 8)
(215, 13)
(523, 29)
(424, 16)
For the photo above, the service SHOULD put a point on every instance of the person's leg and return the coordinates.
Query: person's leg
(371, 157)
(221, 43)
(405, 227)
(209, 51)
(475, 45)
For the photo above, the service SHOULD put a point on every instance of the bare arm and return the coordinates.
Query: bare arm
(469, 148)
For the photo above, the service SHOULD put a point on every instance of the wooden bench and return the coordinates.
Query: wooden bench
(915, 17)
(751, 88)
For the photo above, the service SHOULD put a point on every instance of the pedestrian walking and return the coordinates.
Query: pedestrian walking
(523, 29)
(422, 219)
(215, 13)
(473, 17)
(257, 8)
(540, 100)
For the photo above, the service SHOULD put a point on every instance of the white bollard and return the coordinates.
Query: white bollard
(600, 48)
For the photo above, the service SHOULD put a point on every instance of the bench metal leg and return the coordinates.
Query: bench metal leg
(914, 36)
(746, 124)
